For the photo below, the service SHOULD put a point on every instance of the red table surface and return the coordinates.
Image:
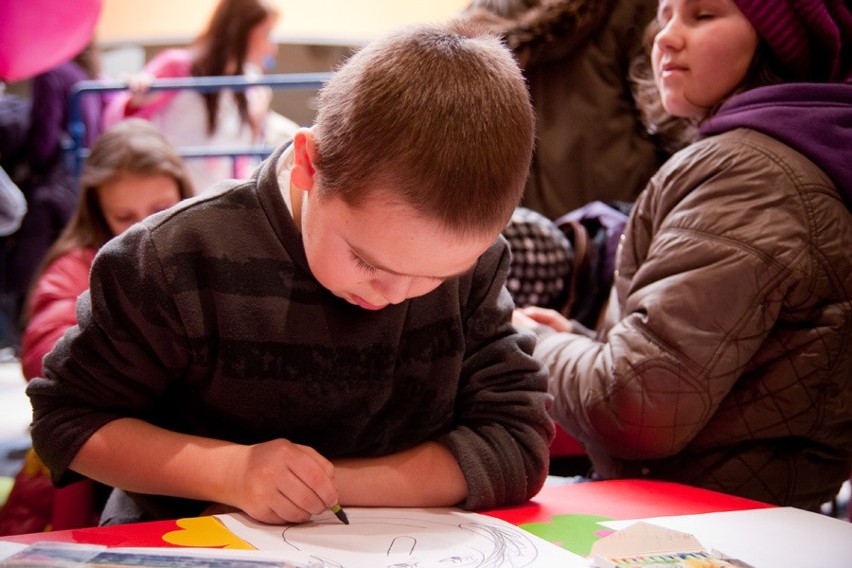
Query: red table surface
(617, 499)
(621, 500)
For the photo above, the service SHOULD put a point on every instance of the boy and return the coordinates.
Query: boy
(334, 330)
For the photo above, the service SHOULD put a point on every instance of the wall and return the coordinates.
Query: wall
(313, 22)
(312, 36)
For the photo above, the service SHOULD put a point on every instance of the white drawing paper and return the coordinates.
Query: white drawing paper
(405, 538)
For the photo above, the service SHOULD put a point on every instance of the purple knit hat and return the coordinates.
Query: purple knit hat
(811, 37)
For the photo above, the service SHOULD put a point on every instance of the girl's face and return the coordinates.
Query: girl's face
(701, 54)
(260, 44)
(129, 198)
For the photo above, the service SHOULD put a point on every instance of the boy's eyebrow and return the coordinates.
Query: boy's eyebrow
(377, 265)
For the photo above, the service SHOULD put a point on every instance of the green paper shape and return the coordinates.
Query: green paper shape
(574, 533)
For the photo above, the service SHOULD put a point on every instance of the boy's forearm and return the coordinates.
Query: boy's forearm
(142, 458)
(423, 476)
(426, 475)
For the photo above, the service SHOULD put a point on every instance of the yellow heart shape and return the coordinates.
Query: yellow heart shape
(207, 532)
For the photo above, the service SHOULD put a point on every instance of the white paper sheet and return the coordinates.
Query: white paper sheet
(404, 538)
(782, 537)
(7, 548)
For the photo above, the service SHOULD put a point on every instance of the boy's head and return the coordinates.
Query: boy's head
(435, 117)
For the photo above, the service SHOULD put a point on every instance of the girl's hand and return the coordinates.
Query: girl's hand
(530, 316)
(139, 85)
(281, 482)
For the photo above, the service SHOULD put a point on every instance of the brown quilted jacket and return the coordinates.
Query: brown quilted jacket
(726, 359)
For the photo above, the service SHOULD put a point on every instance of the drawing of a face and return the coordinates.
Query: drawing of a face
(432, 540)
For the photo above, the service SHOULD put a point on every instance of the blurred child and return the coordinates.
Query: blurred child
(336, 329)
(237, 42)
(724, 361)
(132, 172)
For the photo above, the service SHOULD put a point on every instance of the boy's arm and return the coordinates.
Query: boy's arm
(427, 475)
(497, 451)
(501, 430)
(276, 481)
(118, 366)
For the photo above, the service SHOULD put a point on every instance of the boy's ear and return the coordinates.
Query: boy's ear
(304, 155)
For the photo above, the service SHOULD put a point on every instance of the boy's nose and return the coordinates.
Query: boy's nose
(394, 289)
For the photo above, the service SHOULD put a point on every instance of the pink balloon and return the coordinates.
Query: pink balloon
(37, 35)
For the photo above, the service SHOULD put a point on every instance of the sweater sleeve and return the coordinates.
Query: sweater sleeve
(116, 362)
(52, 307)
(503, 430)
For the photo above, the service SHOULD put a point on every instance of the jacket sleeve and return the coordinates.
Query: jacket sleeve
(168, 64)
(503, 429)
(695, 306)
(117, 361)
(52, 308)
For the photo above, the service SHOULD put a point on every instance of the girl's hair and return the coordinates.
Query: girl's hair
(222, 48)
(133, 146)
(671, 132)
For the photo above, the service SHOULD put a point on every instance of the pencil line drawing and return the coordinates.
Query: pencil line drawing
(403, 538)
(438, 541)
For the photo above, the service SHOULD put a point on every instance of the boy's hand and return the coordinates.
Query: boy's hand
(279, 481)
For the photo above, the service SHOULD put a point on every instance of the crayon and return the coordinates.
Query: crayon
(340, 514)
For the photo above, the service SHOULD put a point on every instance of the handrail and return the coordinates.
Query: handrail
(77, 128)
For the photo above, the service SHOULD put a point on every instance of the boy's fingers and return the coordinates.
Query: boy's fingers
(317, 474)
(286, 510)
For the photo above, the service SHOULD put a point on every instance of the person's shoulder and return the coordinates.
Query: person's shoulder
(171, 62)
(699, 163)
(73, 261)
(59, 78)
(68, 273)
(200, 221)
(496, 254)
(740, 186)
(491, 267)
(750, 153)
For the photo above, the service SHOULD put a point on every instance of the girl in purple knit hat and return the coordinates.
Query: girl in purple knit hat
(725, 360)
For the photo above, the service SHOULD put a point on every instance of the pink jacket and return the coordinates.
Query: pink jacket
(52, 306)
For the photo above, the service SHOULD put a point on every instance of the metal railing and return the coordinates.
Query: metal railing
(76, 151)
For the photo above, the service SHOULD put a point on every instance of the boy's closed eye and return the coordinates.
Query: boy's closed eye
(372, 270)
(363, 264)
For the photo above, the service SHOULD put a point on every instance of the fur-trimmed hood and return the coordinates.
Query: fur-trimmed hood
(540, 30)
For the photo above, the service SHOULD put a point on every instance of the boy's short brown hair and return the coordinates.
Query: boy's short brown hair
(438, 116)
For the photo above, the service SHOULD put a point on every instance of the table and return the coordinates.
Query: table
(566, 514)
